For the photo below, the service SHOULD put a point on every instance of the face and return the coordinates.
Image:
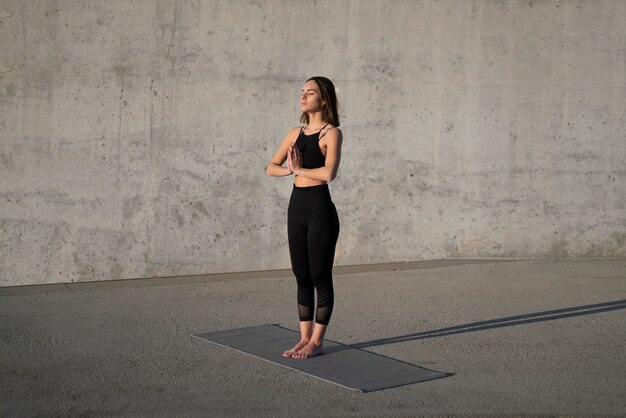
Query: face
(310, 97)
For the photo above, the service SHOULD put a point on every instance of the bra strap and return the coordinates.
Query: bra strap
(329, 129)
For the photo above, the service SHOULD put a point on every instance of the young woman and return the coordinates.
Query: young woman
(312, 153)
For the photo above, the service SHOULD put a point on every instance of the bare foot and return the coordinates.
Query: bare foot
(292, 351)
(309, 350)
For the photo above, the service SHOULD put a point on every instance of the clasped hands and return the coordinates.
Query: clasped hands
(294, 159)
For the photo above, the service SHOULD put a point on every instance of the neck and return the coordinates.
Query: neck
(315, 119)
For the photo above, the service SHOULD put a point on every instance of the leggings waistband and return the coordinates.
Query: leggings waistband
(311, 189)
(310, 196)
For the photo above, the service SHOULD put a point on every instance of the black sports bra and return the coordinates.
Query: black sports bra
(309, 147)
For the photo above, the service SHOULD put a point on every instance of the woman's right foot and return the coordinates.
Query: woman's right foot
(292, 351)
(309, 350)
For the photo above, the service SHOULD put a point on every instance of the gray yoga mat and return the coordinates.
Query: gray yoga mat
(340, 364)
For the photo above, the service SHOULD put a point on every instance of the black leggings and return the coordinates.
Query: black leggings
(313, 228)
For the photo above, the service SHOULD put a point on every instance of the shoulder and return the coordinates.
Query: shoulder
(332, 133)
(294, 131)
(292, 134)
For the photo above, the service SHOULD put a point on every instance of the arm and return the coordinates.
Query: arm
(327, 173)
(275, 167)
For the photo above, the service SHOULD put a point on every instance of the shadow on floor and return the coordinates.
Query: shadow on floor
(499, 323)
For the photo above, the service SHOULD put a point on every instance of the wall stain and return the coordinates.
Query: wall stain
(179, 218)
(200, 206)
(131, 207)
(116, 271)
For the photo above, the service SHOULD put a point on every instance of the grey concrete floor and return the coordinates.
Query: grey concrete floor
(520, 338)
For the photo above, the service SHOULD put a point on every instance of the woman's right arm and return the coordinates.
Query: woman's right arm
(275, 167)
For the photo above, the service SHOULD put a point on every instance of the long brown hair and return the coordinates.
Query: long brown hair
(330, 113)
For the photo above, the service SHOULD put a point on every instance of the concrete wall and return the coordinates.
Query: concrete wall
(134, 134)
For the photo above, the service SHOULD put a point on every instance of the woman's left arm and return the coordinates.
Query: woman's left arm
(328, 172)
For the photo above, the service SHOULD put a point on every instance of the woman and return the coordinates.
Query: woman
(312, 152)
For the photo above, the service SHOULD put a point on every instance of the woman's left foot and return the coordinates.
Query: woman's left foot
(309, 350)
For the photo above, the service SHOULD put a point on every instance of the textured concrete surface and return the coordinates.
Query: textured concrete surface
(134, 134)
(523, 338)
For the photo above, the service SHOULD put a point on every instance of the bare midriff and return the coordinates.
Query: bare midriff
(306, 182)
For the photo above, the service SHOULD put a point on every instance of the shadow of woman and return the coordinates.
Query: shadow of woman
(499, 323)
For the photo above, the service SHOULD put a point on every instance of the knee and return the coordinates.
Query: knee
(303, 277)
(306, 295)
(325, 292)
